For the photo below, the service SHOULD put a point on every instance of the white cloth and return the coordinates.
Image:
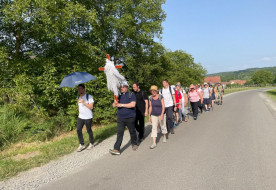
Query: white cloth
(206, 93)
(85, 112)
(168, 98)
(113, 77)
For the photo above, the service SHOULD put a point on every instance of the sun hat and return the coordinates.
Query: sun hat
(192, 86)
(178, 84)
(153, 87)
(124, 83)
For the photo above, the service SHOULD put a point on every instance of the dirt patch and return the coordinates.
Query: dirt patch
(25, 156)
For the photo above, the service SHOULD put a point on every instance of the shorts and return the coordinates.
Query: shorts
(206, 101)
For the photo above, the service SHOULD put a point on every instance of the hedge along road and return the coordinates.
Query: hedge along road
(233, 147)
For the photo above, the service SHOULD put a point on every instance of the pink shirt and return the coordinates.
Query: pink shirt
(194, 97)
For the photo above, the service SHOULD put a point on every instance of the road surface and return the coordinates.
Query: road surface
(233, 147)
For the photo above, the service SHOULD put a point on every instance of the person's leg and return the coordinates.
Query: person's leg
(169, 116)
(180, 114)
(205, 104)
(167, 119)
(130, 123)
(80, 124)
(141, 127)
(154, 122)
(88, 124)
(120, 133)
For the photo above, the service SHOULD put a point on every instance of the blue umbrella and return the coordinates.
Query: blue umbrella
(76, 78)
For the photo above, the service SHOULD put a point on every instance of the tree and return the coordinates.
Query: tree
(262, 77)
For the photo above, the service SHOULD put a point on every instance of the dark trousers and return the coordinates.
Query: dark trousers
(169, 118)
(140, 124)
(121, 123)
(200, 105)
(194, 106)
(88, 124)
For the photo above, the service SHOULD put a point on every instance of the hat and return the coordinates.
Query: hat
(192, 86)
(124, 83)
(153, 87)
(178, 84)
(205, 83)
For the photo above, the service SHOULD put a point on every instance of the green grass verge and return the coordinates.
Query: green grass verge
(232, 90)
(272, 94)
(10, 166)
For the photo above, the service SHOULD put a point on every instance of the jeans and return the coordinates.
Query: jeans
(121, 123)
(169, 118)
(88, 124)
(140, 124)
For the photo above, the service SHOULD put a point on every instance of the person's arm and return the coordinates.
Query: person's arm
(129, 105)
(150, 109)
(89, 106)
(200, 96)
(147, 106)
(163, 109)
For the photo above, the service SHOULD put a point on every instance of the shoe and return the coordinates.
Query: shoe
(91, 146)
(114, 152)
(195, 118)
(80, 148)
(153, 146)
(164, 140)
(134, 147)
(172, 131)
(175, 125)
(186, 119)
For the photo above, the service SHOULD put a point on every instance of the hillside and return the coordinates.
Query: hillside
(242, 74)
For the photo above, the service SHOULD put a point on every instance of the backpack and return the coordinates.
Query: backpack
(87, 95)
(170, 91)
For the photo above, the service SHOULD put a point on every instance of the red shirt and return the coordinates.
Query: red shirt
(178, 97)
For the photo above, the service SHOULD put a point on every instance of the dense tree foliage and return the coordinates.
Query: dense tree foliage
(41, 41)
(263, 77)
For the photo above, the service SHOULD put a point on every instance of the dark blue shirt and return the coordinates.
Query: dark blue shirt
(123, 112)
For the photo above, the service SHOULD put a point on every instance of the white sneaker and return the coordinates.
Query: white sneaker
(153, 146)
(164, 140)
(91, 146)
(80, 148)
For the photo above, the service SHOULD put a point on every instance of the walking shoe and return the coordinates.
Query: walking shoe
(114, 152)
(172, 131)
(153, 146)
(186, 119)
(80, 148)
(134, 147)
(91, 146)
(195, 118)
(164, 140)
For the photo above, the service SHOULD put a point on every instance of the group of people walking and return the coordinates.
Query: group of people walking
(166, 108)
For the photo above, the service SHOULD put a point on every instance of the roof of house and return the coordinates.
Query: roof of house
(214, 79)
(237, 81)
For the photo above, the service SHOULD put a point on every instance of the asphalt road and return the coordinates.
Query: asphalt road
(233, 147)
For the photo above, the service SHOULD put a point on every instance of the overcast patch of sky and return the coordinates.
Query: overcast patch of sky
(223, 35)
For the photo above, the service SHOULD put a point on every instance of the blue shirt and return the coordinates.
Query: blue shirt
(123, 112)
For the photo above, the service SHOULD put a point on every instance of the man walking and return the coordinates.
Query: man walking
(85, 104)
(142, 102)
(170, 104)
(126, 115)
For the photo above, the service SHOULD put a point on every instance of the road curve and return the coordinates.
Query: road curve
(233, 147)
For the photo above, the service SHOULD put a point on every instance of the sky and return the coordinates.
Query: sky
(222, 35)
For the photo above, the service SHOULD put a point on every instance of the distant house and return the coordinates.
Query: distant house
(241, 82)
(212, 80)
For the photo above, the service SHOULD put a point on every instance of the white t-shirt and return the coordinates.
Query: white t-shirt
(206, 93)
(85, 112)
(168, 99)
(199, 91)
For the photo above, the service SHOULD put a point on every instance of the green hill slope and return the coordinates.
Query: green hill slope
(242, 74)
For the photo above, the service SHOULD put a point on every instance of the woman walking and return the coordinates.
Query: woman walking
(156, 115)
(194, 96)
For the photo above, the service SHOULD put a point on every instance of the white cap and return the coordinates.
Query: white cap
(124, 83)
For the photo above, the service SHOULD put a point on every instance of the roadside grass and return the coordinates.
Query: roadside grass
(232, 90)
(10, 165)
(272, 94)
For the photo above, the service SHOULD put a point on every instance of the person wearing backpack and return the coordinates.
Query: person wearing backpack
(142, 103)
(170, 105)
(206, 97)
(126, 116)
(178, 100)
(85, 104)
(156, 115)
